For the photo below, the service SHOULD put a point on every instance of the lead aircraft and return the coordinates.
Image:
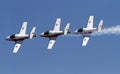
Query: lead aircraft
(18, 38)
(53, 34)
(86, 32)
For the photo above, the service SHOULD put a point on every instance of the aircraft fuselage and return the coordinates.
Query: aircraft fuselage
(85, 31)
(51, 33)
(17, 37)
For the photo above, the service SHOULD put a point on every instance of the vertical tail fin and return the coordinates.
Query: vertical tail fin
(100, 25)
(66, 30)
(32, 33)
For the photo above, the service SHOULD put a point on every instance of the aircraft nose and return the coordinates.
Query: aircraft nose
(42, 34)
(7, 37)
(75, 32)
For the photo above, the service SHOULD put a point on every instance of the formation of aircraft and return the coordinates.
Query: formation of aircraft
(18, 38)
(53, 34)
(86, 32)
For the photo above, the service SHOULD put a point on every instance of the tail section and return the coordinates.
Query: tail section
(66, 30)
(32, 33)
(100, 25)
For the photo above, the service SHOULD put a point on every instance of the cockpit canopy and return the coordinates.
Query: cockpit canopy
(12, 36)
(46, 33)
(80, 30)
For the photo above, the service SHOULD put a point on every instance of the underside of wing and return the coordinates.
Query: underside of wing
(23, 28)
(51, 42)
(85, 41)
(17, 46)
(57, 25)
(90, 22)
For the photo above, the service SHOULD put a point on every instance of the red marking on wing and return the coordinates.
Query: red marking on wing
(50, 42)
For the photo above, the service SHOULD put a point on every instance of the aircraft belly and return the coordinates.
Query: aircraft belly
(19, 38)
(53, 35)
(88, 31)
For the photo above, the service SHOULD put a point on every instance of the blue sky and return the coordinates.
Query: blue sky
(101, 56)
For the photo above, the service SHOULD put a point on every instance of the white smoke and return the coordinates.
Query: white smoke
(110, 30)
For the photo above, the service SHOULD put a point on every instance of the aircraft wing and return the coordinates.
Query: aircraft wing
(85, 40)
(17, 46)
(57, 25)
(51, 42)
(23, 29)
(90, 22)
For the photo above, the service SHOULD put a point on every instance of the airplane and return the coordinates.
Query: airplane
(86, 32)
(18, 38)
(53, 34)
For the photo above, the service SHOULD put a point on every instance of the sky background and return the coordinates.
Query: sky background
(100, 56)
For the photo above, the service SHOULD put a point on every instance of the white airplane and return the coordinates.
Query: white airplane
(18, 38)
(86, 32)
(53, 34)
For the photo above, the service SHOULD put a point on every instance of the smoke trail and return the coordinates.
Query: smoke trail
(110, 30)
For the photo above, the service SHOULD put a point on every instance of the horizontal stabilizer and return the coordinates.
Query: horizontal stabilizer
(66, 28)
(100, 25)
(32, 33)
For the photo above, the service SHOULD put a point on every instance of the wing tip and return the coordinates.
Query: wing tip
(14, 52)
(25, 23)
